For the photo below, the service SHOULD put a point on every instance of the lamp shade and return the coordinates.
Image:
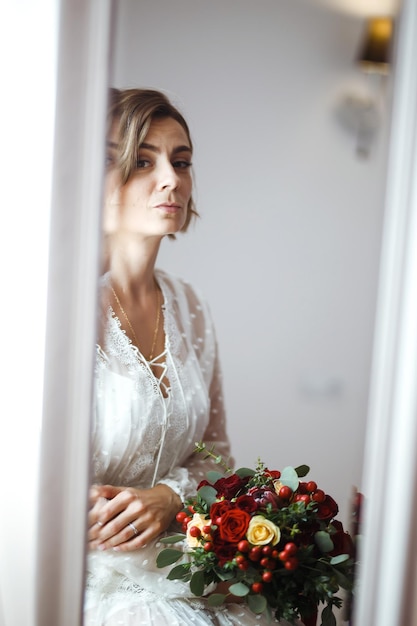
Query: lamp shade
(375, 52)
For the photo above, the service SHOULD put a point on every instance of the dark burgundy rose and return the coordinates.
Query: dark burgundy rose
(264, 496)
(246, 503)
(328, 509)
(234, 524)
(217, 509)
(224, 550)
(229, 487)
(342, 541)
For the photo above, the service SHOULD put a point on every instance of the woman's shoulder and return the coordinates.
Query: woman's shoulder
(187, 302)
(179, 287)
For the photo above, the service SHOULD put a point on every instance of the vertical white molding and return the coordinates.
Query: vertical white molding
(390, 471)
(83, 70)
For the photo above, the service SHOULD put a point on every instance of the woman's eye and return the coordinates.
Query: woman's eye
(182, 164)
(141, 163)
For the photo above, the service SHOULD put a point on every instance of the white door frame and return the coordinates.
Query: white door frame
(83, 78)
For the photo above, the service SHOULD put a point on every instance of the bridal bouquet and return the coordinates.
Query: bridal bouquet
(269, 537)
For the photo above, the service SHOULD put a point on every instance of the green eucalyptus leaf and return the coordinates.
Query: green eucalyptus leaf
(224, 575)
(344, 581)
(340, 558)
(197, 583)
(168, 557)
(257, 603)
(242, 472)
(302, 470)
(327, 616)
(173, 538)
(213, 476)
(179, 571)
(216, 599)
(323, 541)
(289, 478)
(239, 589)
(208, 494)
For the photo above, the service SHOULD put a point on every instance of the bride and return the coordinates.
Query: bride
(158, 386)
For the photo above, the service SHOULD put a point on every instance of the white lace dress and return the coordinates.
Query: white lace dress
(144, 435)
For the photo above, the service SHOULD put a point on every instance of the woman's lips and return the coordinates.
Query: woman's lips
(169, 207)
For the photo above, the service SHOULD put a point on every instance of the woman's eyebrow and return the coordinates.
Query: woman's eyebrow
(111, 144)
(149, 146)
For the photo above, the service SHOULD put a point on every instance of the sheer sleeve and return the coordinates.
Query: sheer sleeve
(185, 477)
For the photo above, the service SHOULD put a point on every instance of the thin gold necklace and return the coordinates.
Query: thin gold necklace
(158, 317)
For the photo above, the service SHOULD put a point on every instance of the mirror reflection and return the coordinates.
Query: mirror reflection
(287, 138)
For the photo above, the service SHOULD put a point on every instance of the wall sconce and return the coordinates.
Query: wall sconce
(362, 114)
(375, 54)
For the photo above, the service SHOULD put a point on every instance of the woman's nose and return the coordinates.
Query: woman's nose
(167, 176)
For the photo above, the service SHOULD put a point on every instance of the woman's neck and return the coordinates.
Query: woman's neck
(132, 267)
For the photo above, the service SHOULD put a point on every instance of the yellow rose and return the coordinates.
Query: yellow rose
(200, 521)
(261, 531)
(277, 485)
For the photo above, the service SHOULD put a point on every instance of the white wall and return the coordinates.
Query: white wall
(287, 246)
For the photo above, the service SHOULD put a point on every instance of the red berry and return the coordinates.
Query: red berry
(243, 546)
(283, 556)
(180, 517)
(290, 548)
(191, 509)
(319, 496)
(255, 553)
(267, 576)
(266, 550)
(275, 554)
(195, 532)
(240, 559)
(208, 546)
(244, 565)
(257, 587)
(311, 486)
(291, 563)
(207, 530)
(218, 521)
(285, 492)
(305, 498)
(187, 519)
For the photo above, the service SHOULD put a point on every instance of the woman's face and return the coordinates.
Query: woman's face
(154, 200)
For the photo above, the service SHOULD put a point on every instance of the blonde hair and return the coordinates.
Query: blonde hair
(134, 110)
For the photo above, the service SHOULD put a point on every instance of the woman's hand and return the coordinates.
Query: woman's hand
(124, 518)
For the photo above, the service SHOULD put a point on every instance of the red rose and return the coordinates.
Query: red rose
(327, 509)
(234, 524)
(203, 483)
(246, 503)
(275, 474)
(228, 487)
(342, 541)
(217, 509)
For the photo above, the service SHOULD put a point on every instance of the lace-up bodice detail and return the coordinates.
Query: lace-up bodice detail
(148, 415)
